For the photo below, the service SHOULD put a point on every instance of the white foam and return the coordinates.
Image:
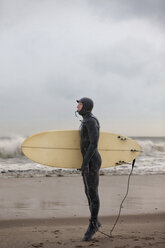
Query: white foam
(11, 147)
(150, 147)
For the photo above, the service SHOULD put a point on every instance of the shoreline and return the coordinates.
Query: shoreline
(31, 173)
(83, 220)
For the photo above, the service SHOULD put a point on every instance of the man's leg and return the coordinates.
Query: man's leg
(92, 182)
(87, 191)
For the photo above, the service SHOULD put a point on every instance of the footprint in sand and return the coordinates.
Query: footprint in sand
(149, 238)
(93, 245)
(136, 239)
(37, 245)
(56, 231)
(95, 240)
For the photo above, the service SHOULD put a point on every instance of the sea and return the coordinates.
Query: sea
(14, 164)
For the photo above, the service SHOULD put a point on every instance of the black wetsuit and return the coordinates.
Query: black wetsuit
(89, 131)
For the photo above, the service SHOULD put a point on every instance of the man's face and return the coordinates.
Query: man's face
(79, 106)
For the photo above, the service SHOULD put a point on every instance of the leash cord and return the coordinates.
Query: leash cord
(110, 235)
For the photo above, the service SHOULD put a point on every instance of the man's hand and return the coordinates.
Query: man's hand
(85, 170)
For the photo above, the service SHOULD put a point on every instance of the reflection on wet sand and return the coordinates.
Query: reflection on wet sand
(50, 205)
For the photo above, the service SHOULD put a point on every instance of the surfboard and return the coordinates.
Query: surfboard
(61, 149)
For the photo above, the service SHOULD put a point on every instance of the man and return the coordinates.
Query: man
(89, 131)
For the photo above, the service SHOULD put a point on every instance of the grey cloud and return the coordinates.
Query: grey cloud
(53, 52)
(128, 9)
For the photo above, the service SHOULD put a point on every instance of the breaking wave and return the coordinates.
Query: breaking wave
(10, 147)
(150, 146)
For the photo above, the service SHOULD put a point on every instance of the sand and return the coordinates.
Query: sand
(53, 212)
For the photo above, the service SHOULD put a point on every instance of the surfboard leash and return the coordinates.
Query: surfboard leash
(110, 235)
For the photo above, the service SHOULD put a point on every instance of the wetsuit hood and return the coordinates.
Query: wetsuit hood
(87, 105)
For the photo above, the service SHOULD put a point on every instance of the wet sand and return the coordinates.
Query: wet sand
(53, 212)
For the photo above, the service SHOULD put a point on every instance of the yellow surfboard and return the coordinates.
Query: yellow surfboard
(61, 149)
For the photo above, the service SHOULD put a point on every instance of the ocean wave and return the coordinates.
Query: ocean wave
(11, 147)
(150, 146)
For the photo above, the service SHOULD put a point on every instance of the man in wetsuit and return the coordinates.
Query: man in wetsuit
(89, 132)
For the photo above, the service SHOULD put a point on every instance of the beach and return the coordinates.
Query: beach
(78, 79)
(53, 212)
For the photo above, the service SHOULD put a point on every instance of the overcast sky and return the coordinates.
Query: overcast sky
(53, 52)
